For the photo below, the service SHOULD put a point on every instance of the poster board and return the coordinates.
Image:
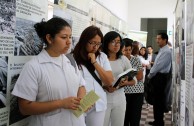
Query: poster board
(139, 36)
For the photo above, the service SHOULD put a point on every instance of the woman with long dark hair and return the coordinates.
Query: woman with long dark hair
(115, 113)
(96, 71)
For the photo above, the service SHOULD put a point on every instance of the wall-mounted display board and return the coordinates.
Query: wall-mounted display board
(100, 17)
(189, 58)
(183, 106)
(139, 36)
(76, 14)
(105, 19)
(114, 23)
(123, 28)
(179, 67)
(19, 41)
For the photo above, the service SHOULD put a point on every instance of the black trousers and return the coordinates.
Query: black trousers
(159, 82)
(133, 109)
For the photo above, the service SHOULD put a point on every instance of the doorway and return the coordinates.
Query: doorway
(153, 26)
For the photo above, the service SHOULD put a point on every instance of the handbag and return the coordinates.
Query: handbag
(149, 91)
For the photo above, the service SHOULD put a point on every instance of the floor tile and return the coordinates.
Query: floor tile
(147, 116)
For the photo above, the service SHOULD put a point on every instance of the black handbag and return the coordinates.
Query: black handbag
(149, 91)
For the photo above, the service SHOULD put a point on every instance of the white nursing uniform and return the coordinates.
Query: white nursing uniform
(96, 115)
(47, 79)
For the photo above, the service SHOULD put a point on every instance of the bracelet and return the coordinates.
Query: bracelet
(94, 62)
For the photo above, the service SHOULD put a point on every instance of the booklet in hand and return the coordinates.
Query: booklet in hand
(129, 73)
(86, 102)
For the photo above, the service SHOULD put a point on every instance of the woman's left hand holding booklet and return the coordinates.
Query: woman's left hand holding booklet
(86, 103)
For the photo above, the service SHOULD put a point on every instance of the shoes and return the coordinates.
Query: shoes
(156, 124)
(151, 123)
(148, 106)
(167, 109)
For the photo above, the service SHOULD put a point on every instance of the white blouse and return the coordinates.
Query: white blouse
(92, 84)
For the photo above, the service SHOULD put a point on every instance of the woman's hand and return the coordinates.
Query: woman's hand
(123, 82)
(92, 57)
(110, 89)
(90, 108)
(105, 76)
(71, 103)
(144, 65)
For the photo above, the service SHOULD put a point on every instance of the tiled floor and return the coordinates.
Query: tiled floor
(147, 116)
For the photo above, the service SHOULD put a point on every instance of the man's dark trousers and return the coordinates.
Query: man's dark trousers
(159, 82)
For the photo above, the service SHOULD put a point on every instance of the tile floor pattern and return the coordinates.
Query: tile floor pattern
(147, 116)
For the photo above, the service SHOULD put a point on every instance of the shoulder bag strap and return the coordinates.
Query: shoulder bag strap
(72, 60)
(95, 77)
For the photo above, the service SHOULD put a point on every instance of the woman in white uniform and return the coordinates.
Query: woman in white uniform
(143, 55)
(49, 87)
(89, 58)
(116, 101)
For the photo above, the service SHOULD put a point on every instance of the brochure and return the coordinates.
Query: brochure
(86, 102)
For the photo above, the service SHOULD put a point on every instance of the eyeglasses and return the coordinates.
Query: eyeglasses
(114, 42)
(95, 44)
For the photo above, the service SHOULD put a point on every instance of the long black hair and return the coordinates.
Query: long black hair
(80, 53)
(109, 37)
(52, 27)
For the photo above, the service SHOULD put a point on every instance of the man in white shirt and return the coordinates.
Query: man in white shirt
(151, 59)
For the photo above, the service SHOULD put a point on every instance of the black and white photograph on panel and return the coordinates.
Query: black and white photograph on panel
(7, 16)
(15, 114)
(56, 1)
(70, 22)
(59, 2)
(182, 60)
(3, 80)
(74, 42)
(186, 116)
(27, 41)
(4, 125)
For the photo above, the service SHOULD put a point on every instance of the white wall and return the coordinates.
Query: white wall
(150, 9)
(132, 11)
(117, 7)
